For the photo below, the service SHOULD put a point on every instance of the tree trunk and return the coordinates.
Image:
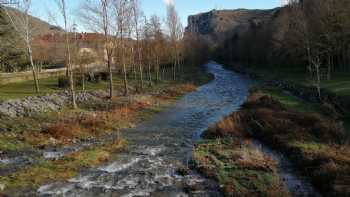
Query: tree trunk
(82, 75)
(149, 74)
(83, 82)
(126, 89)
(318, 77)
(141, 75)
(157, 70)
(174, 71)
(36, 81)
(329, 69)
(71, 84)
(71, 77)
(109, 64)
(134, 71)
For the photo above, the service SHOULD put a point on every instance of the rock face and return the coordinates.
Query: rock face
(217, 25)
(38, 104)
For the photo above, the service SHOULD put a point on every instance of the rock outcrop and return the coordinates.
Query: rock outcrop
(217, 25)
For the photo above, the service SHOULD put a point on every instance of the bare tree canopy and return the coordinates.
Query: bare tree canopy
(21, 24)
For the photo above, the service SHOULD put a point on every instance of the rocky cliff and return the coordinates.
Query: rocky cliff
(218, 25)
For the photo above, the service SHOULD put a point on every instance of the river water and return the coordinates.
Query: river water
(158, 146)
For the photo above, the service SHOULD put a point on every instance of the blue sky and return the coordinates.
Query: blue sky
(185, 8)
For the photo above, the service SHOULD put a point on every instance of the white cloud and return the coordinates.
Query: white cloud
(169, 2)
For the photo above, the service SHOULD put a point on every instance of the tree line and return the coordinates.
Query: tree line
(313, 35)
(127, 41)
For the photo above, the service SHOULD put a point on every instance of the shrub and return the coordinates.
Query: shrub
(63, 82)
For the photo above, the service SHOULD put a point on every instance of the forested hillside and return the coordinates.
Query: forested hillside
(12, 49)
(306, 41)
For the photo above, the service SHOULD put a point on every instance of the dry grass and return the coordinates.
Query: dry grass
(318, 145)
(71, 126)
(177, 90)
(240, 169)
(232, 125)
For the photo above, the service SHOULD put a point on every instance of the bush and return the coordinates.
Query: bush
(104, 76)
(63, 82)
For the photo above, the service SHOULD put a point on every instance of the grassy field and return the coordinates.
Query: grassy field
(297, 104)
(192, 74)
(339, 84)
(50, 85)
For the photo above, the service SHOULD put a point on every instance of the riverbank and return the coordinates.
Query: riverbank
(291, 83)
(315, 143)
(54, 146)
(239, 167)
(157, 147)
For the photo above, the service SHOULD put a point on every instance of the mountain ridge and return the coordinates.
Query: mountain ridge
(40, 27)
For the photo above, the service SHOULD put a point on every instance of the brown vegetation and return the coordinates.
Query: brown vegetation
(239, 167)
(318, 145)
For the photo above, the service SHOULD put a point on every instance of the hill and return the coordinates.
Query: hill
(12, 51)
(40, 27)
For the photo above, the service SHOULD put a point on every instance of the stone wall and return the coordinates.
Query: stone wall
(38, 104)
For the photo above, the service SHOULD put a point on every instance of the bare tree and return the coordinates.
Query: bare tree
(98, 17)
(122, 10)
(63, 10)
(136, 15)
(175, 32)
(148, 48)
(301, 37)
(158, 42)
(22, 26)
(85, 57)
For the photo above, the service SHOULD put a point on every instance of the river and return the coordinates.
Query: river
(158, 146)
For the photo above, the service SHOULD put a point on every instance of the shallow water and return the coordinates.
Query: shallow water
(297, 185)
(159, 146)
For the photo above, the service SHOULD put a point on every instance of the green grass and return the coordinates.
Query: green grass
(24, 89)
(293, 74)
(190, 74)
(286, 99)
(58, 170)
(240, 170)
(295, 103)
(291, 101)
(8, 144)
(339, 83)
(48, 85)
